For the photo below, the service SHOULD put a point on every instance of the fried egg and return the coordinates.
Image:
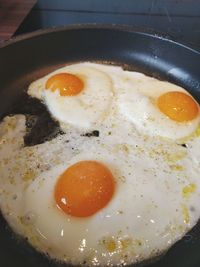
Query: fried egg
(115, 199)
(156, 107)
(77, 95)
(85, 94)
(119, 197)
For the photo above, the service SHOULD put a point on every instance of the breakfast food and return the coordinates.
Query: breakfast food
(92, 91)
(119, 186)
(101, 85)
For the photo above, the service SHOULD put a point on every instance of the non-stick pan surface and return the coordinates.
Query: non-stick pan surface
(29, 57)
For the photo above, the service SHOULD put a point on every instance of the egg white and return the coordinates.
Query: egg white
(135, 96)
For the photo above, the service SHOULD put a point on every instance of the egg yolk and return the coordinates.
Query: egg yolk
(84, 188)
(68, 84)
(178, 106)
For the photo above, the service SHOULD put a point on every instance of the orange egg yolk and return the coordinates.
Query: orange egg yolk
(178, 106)
(68, 84)
(84, 188)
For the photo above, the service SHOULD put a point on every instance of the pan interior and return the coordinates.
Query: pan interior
(26, 60)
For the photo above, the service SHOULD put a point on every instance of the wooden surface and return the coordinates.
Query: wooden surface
(177, 18)
(12, 13)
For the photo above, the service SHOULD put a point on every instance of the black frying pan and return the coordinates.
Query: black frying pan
(29, 57)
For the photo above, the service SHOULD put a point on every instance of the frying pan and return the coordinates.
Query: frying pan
(28, 57)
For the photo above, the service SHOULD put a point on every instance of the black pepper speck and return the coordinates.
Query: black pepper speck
(94, 133)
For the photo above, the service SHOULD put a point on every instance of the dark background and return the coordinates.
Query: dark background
(177, 18)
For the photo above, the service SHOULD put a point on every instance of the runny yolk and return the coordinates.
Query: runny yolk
(178, 106)
(68, 84)
(84, 188)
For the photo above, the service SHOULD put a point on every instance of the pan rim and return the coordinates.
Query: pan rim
(113, 27)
